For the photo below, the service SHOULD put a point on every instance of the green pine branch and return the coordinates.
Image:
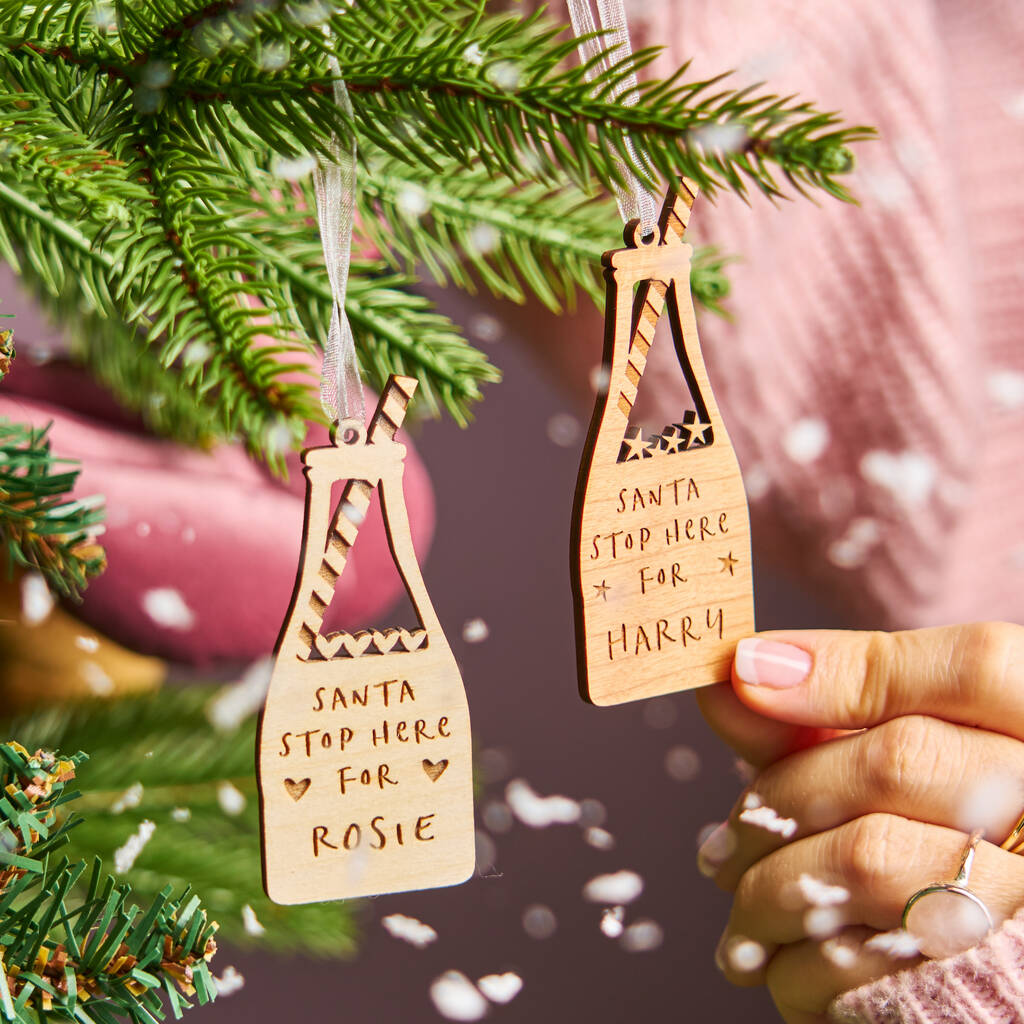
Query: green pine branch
(137, 182)
(75, 947)
(166, 745)
(40, 527)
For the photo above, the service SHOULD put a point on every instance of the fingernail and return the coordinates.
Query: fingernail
(769, 663)
(715, 850)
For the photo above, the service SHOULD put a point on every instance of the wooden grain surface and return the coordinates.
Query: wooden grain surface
(661, 540)
(364, 751)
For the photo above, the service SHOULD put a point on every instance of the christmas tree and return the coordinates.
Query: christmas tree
(156, 196)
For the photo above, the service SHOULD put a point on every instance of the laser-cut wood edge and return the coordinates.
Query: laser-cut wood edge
(646, 311)
(436, 675)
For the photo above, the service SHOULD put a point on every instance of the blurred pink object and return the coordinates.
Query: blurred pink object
(202, 549)
(873, 377)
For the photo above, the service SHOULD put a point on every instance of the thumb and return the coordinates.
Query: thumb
(972, 675)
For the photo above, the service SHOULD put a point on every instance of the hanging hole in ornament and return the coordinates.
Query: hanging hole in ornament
(349, 432)
(639, 235)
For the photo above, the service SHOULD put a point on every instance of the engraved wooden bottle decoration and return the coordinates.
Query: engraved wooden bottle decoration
(661, 535)
(364, 756)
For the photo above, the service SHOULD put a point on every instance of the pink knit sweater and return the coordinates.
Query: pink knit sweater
(985, 985)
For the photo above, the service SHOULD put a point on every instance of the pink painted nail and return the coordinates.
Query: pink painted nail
(769, 663)
(715, 850)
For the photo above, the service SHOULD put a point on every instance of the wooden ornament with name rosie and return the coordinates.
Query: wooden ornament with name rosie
(364, 754)
(661, 534)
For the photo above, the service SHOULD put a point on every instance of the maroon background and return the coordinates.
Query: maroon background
(502, 554)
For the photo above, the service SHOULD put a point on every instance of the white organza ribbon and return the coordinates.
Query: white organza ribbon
(341, 387)
(634, 200)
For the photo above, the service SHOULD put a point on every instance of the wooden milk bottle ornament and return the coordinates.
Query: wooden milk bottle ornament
(365, 772)
(661, 535)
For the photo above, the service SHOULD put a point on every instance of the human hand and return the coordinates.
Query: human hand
(880, 812)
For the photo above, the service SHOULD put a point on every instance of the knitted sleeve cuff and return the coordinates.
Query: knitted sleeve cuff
(984, 985)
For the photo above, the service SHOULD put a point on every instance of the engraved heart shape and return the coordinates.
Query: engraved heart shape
(297, 790)
(356, 643)
(328, 645)
(386, 640)
(434, 771)
(412, 641)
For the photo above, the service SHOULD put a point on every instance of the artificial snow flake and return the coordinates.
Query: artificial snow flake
(275, 55)
(96, 678)
(745, 955)
(840, 953)
(188, 535)
(725, 138)
(293, 168)
(852, 549)
(143, 529)
(505, 75)
(412, 202)
(908, 476)
(592, 812)
(898, 943)
(822, 922)
(611, 921)
(230, 982)
(231, 799)
(682, 764)
(485, 328)
(599, 839)
(131, 797)
(819, 894)
(1006, 389)
(616, 889)
(126, 855)
(250, 922)
(500, 988)
(497, 816)
(36, 599)
(757, 481)
(234, 703)
(484, 238)
(563, 429)
(806, 440)
(181, 814)
(472, 54)
(600, 377)
(409, 929)
(660, 712)
(539, 921)
(486, 853)
(766, 818)
(309, 12)
(456, 997)
(475, 631)
(167, 608)
(751, 801)
(540, 811)
(87, 643)
(642, 936)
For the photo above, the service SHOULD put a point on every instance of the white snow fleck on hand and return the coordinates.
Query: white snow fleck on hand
(819, 893)
(766, 818)
(409, 929)
(898, 943)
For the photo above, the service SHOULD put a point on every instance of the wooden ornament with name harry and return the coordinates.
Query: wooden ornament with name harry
(364, 754)
(661, 534)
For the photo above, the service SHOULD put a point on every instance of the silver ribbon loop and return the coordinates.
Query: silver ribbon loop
(341, 387)
(634, 200)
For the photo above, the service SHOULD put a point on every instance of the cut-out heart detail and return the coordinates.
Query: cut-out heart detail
(386, 640)
(434, 771)
(328, 645)
(356, 643)
(412, 641)
(297, 790)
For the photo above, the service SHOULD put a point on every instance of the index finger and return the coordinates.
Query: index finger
(973, 675)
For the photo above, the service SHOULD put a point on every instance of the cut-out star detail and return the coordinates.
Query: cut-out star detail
(728, 563)
(602, 589)
(696, 428)
(672, 440)
(634, 447)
